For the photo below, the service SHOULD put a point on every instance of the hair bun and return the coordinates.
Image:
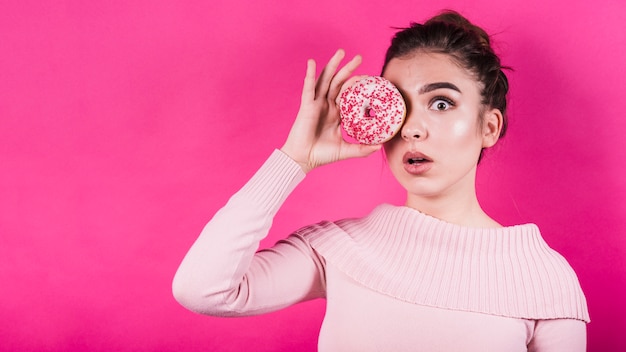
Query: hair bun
(457, 20)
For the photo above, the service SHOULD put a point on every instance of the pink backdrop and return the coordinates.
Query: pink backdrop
(125, 125)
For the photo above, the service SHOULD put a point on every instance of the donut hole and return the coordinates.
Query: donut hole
(370, 113)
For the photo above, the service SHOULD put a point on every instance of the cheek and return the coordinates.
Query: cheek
(460, 129)
(464, 130)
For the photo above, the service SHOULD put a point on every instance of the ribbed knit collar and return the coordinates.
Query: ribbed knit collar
(400, 252)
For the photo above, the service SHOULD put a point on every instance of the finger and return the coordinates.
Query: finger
(308, 89)
(342, 75)
(323, 82)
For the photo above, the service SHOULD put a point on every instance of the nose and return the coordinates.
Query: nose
(413, 128)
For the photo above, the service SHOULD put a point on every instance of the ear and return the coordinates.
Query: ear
(492, 125)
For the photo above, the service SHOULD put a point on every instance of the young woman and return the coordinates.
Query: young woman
(437, 274)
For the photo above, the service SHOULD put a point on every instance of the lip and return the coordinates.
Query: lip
(417, 168)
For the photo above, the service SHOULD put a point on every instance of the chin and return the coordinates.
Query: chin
(421, 188)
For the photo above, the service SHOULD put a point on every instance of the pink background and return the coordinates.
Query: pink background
(125, 125)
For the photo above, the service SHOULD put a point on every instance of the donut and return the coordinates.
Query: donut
(372, 110)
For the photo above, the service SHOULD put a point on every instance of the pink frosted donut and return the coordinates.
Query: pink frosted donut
(372, 110)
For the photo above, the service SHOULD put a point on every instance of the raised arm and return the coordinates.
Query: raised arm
(222, 274)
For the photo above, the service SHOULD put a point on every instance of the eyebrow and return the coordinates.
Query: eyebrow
(438, 85)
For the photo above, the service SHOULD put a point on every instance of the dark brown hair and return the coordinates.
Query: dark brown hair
(469, 45)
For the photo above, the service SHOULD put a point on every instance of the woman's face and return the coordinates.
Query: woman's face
(436, 152)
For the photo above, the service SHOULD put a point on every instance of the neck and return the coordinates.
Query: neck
(458, 206)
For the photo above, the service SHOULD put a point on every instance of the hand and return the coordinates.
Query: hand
(315, 138)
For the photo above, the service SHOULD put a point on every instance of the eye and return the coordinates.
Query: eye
(441, 104)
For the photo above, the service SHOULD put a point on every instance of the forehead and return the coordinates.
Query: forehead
(411, 72)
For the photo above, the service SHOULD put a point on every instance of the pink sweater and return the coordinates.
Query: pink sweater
(395, 280)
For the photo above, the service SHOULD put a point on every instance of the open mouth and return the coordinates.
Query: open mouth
(416, 163)
(416, 160)
(413, 158)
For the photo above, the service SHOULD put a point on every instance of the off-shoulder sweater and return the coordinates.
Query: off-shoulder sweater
(394, 280)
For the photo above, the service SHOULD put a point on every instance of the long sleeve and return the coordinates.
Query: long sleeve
(222, 274)
(559, 335)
